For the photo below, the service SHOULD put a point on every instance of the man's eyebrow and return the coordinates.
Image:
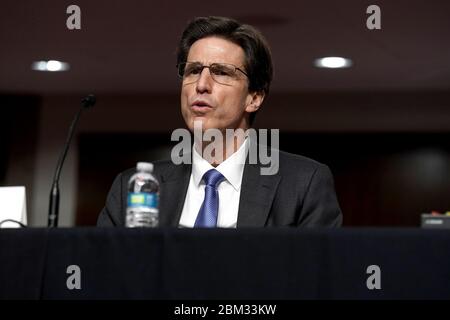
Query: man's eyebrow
(215, 62)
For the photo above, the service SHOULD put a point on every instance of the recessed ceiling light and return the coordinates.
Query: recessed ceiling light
(333, 62)
(50, 65)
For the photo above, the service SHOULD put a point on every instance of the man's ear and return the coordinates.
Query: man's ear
(254, 101)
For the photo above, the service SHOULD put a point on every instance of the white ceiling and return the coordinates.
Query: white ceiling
(128, 47)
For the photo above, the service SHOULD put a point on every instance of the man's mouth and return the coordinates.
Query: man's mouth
(200, 106)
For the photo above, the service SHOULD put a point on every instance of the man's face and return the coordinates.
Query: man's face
(217, 105)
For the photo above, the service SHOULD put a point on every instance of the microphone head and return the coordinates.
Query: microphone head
(88, 101)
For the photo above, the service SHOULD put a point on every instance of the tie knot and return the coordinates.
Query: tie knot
(213, 178)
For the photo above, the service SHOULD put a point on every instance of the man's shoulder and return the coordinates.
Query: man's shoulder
(290, 162)
(161, 167)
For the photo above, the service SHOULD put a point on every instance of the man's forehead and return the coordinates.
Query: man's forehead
(216, 50)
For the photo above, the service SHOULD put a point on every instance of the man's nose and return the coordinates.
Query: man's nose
(204, 82)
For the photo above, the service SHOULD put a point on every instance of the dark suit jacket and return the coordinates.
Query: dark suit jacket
(301, 194)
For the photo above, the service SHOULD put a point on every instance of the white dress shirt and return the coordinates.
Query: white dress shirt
(229, 189)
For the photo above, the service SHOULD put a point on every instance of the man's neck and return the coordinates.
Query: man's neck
(216, 152)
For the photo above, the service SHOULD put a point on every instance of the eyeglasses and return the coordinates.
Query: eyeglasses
(223, 73)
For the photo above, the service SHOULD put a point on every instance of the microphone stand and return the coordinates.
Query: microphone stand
(53, 210)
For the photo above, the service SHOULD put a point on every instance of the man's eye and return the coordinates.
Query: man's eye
(222, 71)
(192, 70)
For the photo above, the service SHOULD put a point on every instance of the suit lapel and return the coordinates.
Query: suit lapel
(173, 192)
(257, 193)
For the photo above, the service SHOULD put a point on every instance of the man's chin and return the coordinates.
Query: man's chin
(200, 122)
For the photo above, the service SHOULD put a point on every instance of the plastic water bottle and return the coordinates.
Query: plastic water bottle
(143, 198)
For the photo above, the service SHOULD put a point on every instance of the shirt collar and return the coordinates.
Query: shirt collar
(232, 168)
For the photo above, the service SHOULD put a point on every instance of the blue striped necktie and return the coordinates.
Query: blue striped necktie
(207, 216)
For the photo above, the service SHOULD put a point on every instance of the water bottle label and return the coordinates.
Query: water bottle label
(142, 199)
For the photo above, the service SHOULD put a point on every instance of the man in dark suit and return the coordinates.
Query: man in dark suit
(226, 70)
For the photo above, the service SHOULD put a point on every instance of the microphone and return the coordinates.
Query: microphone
(88, 101)
(53, 209)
